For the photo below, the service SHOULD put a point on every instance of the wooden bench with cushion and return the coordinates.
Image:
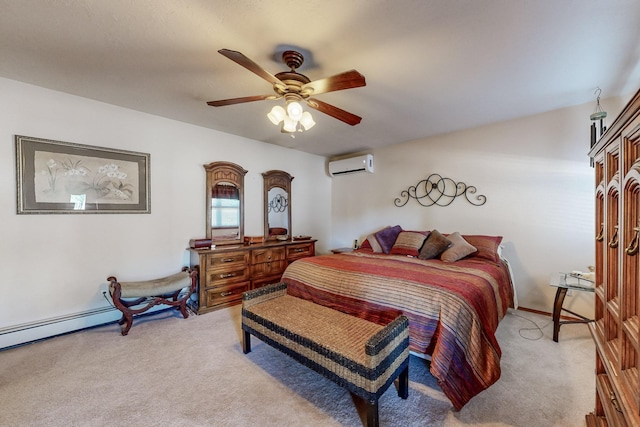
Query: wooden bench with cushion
(359, 355)
(168, 290)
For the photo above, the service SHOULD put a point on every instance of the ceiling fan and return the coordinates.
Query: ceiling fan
(295, 88)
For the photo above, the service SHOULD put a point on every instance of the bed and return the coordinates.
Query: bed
(454, 305)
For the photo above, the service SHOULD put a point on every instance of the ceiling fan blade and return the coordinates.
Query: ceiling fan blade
(240, 59)
(232, 101)
(346, 80)
(335, 112)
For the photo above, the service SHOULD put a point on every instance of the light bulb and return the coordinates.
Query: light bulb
(294, 109)
(277, 114)
(307, 121)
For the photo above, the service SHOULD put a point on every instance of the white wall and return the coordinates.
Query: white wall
(534, 172)
(57, 265)
(539, 186)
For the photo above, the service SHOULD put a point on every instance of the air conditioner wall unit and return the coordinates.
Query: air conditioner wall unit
(356, 164)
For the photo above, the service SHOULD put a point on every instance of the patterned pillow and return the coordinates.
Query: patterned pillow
(459, 249)
(387, 237)
(409, 243)
(434, 245)
(365, 246)
(373, 243)
(487, 246)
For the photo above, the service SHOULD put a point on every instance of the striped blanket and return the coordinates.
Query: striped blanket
(453, 308)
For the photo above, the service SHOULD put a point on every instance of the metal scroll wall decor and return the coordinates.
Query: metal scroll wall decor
(278, 204)
(436, 190)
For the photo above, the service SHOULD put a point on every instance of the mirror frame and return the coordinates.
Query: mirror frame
(232, 173)
(279, 179)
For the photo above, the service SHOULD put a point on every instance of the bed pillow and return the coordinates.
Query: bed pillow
(365, 246)
(488, 246)
(409, 243)
(459, 249)
(434, 245)
(370, 244)
(373, 243)
(387, 237)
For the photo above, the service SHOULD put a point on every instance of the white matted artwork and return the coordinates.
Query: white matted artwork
(61, 177)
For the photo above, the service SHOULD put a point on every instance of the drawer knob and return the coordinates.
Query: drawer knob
(226, 294)
(226, 260)
(614, 402)
(226, 276)
(614, 239)
(632, 249)
(600, 236)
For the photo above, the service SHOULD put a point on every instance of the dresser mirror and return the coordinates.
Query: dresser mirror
(277, 205)
(225, 202)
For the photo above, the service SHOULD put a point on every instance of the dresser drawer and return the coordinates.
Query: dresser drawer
(270, 268)
(226, 294)
(255, 284)
(259, 256)
(226, 260)
(230, 274)
(301, 250)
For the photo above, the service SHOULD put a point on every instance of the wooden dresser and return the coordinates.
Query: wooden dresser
(225, 272)
(616, 330)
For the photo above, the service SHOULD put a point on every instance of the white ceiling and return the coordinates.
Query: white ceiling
(432, 66)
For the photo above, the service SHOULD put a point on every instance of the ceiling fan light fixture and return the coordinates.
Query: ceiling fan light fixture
(294, 109)
(277, 114)
(307, 121)
(289, 125)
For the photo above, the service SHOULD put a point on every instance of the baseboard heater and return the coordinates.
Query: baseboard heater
(53, 320)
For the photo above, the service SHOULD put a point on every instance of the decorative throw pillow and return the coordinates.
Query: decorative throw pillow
(387, 237)
(459, 249)
(373, 243)
(434, 245)
(365, 246)
(487, 246)
(409, 243)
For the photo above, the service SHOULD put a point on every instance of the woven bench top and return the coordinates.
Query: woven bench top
(336, 331)
(161, 286)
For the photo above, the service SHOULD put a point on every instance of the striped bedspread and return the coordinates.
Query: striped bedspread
(453, 308)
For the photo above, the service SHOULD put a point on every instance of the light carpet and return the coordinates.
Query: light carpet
(171, 371)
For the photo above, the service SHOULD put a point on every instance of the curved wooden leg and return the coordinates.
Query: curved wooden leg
(557, 308)
(183, 308)
(127, 316)
(127, 324)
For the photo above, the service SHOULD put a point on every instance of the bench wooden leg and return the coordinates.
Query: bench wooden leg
(124, 330)
(372, 414)
(171, 299)
(246, 342)
(403, 383)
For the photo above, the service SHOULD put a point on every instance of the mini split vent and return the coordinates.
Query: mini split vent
(357, 164)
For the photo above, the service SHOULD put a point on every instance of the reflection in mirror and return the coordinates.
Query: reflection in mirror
(225, 211)
(225, 202)
(277, 205)
(278, 202)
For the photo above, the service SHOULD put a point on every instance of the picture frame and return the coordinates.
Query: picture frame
(56, 177)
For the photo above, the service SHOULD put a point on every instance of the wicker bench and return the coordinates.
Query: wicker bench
(168, 290)
(359, 355)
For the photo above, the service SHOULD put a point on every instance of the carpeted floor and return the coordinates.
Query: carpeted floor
(174, 372)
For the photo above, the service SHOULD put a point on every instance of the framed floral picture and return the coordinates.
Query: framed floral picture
(55, 177)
